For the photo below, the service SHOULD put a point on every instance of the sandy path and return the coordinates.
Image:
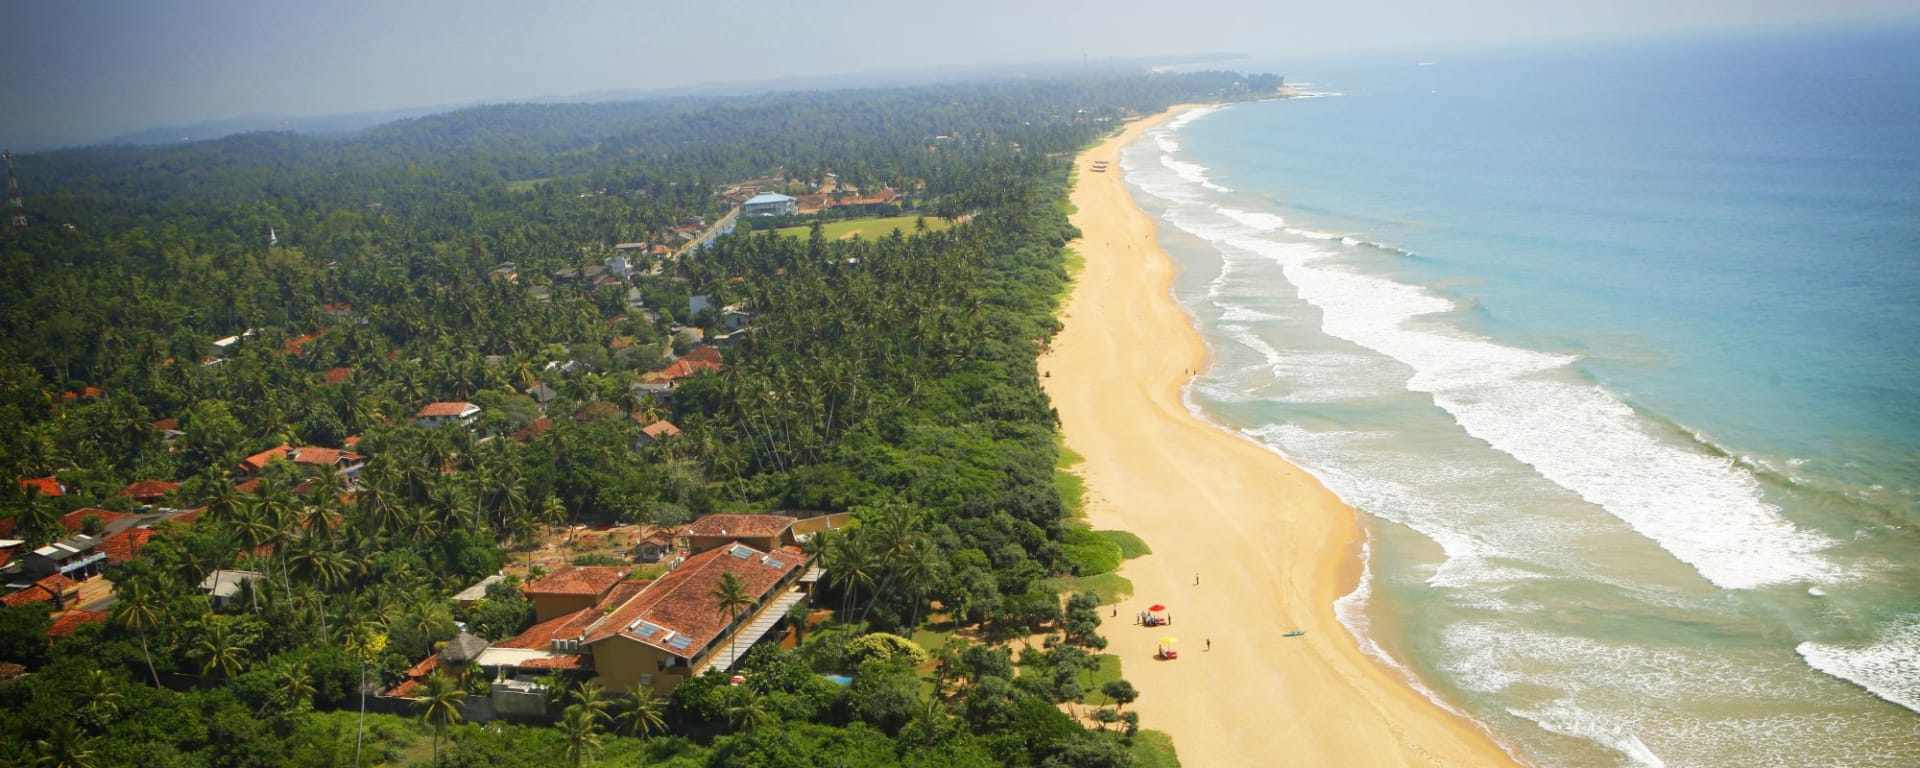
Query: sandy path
(1271, 547)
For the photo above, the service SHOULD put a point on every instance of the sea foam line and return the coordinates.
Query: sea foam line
(1888, 668)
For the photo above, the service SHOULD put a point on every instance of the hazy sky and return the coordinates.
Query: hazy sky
(81, 70)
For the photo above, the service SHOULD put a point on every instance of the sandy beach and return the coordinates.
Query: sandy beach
(1269, 547)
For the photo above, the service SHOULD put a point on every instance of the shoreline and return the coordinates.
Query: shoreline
(1245, 545)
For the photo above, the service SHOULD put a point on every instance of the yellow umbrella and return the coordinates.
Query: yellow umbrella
(1169, 640)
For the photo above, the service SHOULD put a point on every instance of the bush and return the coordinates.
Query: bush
(884, 647)
(1089, 552)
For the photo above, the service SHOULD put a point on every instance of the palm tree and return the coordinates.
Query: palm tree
(643, 712)
(747, 708)
(65, 746)
(854, 567)
(581, 726)
(294, 679)
(439, 704)
(730, 597)
(99, 691)
(366, 644)
(217, 649)
(590, 696)
(138, 609)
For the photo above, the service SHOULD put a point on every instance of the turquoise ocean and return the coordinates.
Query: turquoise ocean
(1616, 348)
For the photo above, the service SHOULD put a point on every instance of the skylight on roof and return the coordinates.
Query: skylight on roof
(681, 642)
(643, 627)
(740, 552)
(772, 562)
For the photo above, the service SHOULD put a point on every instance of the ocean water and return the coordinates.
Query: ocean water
(1617, 348)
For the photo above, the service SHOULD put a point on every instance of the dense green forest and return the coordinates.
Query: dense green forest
(892, 377)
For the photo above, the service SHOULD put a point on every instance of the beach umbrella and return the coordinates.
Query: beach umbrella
(1156, 607)
(1169, 640)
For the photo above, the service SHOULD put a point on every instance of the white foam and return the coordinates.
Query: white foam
(1888, 668)
(1310, 234)
(1264, 222)
(1701, 508)
(1191, 172)
(1186, 118)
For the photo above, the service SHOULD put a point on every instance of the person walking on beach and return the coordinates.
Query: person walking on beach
(1196, 579)
(1209, 643)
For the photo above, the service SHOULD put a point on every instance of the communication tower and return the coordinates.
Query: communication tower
(15, 207)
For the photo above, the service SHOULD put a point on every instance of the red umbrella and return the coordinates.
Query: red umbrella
(1157, 607)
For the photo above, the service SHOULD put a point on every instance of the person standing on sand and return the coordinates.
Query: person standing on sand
(1209, 643)
(1196, 579)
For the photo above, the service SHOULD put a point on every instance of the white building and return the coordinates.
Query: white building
(770, 204)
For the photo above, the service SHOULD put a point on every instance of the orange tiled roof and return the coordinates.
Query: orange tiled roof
(48, 486)
(73, 620)
(148, 490)
(72, 521)
(703, 354)
(680, 605)
(660, 429)
(247, 486)
(321, 456)
(167, 425)
(259, 460)
(336, 375)
(42, 591)
(442, 409)
(188, 517)
(125, 545)
(743, 526)
(425, 667)
(578, 580)
(404, 690)
(683, 368)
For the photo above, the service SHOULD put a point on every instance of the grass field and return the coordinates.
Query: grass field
(870, 229)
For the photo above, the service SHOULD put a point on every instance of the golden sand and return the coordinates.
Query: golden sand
(1270, 547)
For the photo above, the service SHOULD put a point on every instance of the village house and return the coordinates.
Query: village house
(655, 432)
(437, 414)
(223, 586)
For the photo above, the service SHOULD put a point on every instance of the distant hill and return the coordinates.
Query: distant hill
(321, 124)
(358, 121)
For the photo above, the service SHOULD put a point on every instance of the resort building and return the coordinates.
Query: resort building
(770, 204)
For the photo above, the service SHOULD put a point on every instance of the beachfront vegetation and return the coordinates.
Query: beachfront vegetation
(892, 376)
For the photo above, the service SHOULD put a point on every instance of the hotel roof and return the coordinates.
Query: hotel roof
(677, 614)
(743, 526)
(578, 580)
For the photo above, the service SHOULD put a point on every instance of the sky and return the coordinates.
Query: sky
(79, 71)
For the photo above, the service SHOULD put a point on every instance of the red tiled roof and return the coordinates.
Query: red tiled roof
(565, 626)
(73, 620)
(72, 521)
(5, 555)
(404, 690)
(578, 580)
(167, 425)
(148, 490)
(299, 343)
(260, 460)
(247, 486)
(42, 591)
(743, 526)
(683, 368)
(425, 667)
(321, 456)
(87, 392)
(48, 486)
(679, 604)
(188, 517)
(442, 409)
(336, 375)
(660, 429)
(705, 354)
(125, 545)
(561, 661)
